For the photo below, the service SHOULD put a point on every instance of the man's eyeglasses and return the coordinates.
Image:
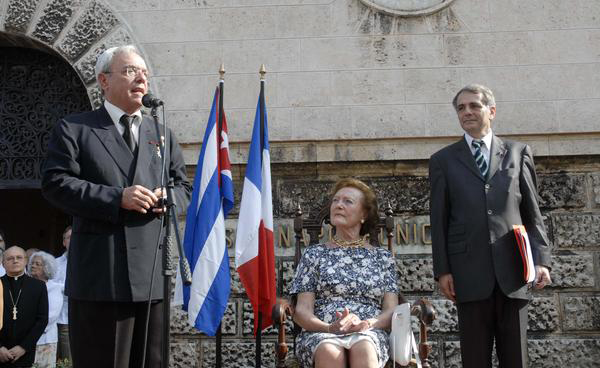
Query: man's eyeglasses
(132, 71)
(14, 258)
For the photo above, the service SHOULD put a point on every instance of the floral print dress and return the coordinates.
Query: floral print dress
(352, 277)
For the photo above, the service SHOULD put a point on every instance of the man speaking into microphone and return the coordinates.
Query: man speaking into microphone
(104, 168)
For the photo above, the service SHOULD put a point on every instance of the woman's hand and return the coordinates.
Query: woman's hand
(344, 322)
(347, 322)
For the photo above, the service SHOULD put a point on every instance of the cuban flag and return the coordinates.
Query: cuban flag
(254, 252)
(204, 241)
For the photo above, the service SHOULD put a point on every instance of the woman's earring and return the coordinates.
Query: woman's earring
(362, 221)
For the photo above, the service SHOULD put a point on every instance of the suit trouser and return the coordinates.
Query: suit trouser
(111, 334)
(63, 352)
(497, 317)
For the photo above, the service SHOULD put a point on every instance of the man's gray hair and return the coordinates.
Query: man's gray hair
(48, 261)
(487, 97)
(104, 61)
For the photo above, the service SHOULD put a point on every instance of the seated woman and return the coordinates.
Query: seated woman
(346, 289)
(42, 266)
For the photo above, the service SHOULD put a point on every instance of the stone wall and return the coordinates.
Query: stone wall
(341, 70)
(564, 319)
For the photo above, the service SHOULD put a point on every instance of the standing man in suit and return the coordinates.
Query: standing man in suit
(480, 187)
(103, 168)
(25, 311)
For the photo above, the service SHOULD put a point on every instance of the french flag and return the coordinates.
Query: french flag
(204, 241)
(254, 252)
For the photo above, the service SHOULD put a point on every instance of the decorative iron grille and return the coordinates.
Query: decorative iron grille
(36, 89)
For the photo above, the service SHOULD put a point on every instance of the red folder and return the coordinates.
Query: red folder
(525, 252)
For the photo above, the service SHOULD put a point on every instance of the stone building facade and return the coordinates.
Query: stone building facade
(363, 88)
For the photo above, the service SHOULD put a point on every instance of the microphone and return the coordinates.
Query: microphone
(149, 100)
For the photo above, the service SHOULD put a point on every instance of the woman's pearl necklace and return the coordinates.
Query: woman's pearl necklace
(349, 243)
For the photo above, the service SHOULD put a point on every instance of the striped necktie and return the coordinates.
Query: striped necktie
(479, 158)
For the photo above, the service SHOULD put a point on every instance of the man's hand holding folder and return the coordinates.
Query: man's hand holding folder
(539, 275)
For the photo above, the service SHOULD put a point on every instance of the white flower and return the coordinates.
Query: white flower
(340, 289)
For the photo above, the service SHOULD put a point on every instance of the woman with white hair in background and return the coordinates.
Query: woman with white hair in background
(42, 266)
(3, 247)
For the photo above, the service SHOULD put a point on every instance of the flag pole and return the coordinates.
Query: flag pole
(220, 114)
(262, 71)
(221, 111)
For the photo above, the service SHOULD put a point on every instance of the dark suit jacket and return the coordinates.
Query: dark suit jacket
(472, 218)
(32, 318)
(87, 167)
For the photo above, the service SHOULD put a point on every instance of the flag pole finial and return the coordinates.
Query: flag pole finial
(222, 71)
(262, 71)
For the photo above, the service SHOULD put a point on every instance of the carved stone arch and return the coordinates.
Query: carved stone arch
(77, 30)
(37, 88)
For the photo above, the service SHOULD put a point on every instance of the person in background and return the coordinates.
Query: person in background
(1, 305)
(28, 253)
(2, 248)
(42, 266)
(63, 349)
(25, 311)
(2, 273)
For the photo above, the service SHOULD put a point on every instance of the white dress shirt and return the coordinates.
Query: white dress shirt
(60, 277)
(116, 113)
(55, 302)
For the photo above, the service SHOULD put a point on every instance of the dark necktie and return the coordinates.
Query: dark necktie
(479, 158)
(127, 133)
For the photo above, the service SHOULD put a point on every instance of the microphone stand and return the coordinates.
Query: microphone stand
(168, 219)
